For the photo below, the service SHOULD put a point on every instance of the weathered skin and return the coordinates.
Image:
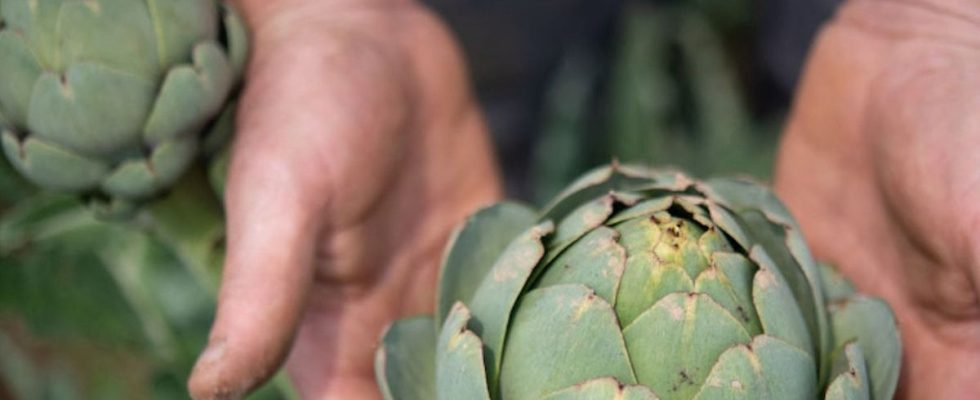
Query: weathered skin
(341, 191)
(880, 164)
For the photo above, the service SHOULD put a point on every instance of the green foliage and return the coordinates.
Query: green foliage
(12, 186)
(127, 297)
(675, 97)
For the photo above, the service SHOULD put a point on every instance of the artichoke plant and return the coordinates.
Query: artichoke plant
(641, 284)
(108, 98)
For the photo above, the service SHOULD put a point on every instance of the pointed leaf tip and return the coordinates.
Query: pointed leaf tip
(474, 248)
(460, 372)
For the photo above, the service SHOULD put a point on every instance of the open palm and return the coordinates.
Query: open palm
(881, 163)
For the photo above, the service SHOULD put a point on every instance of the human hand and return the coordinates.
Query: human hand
(358, 149)
(881, 164)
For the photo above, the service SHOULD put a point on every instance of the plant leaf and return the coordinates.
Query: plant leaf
(405, 362)
(474, 248)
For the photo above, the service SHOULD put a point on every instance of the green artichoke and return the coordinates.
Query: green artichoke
(109, 97)
(639, 284)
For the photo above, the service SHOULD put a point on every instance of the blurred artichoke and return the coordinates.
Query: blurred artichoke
(109, 97)
(637, 284)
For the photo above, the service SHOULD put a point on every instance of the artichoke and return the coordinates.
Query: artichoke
(641, 284)
(108, 98)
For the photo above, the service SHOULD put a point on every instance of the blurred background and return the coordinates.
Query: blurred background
(93, 310)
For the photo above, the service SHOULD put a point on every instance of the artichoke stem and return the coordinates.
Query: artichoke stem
(190, 221)
(156, 326)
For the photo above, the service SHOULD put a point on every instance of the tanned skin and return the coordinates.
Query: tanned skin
(359, 148)
(880, 162)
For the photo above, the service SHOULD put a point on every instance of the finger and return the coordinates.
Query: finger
(271, 236)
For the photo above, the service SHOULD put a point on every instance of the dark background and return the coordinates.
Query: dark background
(525, 57)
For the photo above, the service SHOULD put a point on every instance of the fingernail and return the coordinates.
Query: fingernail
(207, 380)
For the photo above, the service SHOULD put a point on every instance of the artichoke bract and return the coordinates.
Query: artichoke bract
(109, 97)
(641, 284)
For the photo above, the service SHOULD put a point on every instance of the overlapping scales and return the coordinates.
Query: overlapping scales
(108, 97)
(642, 284)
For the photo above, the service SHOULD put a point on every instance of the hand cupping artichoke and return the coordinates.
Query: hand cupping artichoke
(109, 97)
(637, 284)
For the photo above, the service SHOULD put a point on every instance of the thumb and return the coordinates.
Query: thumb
(267, 274)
